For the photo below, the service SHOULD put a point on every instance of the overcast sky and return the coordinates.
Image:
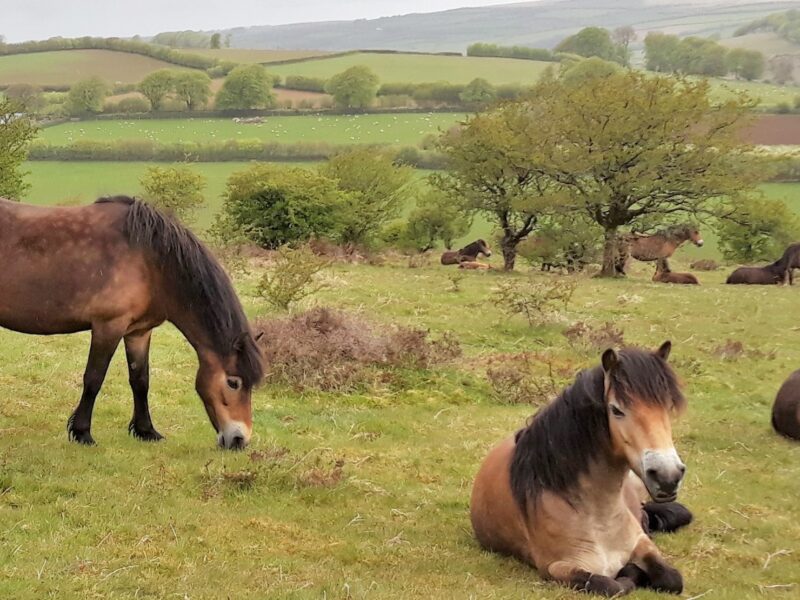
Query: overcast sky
(40, 19)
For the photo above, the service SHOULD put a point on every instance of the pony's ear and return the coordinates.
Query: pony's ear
(610, 360)
(240, 343)
(258, 336)
(664, 350)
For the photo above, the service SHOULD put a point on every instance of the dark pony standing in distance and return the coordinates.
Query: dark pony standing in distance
(664, 274)
(772, 274)
(791, 258)
(661, 244)
(467, 253)
(120, 268)
(565, 494)
(786, 409)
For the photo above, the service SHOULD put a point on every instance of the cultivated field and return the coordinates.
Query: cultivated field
(333, 129)
(415, 68)
(65, 67)
(183, 519)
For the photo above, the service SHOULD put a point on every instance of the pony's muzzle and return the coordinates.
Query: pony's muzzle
(699, 243)
(234, 436)
(663, 474)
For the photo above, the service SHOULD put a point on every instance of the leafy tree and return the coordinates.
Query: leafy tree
(478, 92)
(782, 68)
(637, 149)
(29, 97)
(746, 64)
(275, 206)
(87, 96)
(215, 41)
(193, 87)
(590, 41)
(176, 190)
(245, 87)
(354, 88)
(228, 40)
(493, 170)
(698, 56)
(157, 85)
(376, 187)
(16, 132)
(660, 50)
(436, 218)
(570, 241)
(759, 230)
(623, 36)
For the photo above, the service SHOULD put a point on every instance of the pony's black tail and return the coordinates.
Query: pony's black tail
(666, 517)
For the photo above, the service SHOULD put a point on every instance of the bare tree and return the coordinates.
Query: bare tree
(623, 36)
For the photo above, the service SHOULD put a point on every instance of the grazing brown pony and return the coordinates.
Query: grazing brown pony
(468, 253)
(661, 244)
(561, 494)
(791, 258)
(664, 274)
(786, 410)
(119, 268)
(773, 274)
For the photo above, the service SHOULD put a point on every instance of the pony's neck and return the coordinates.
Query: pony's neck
(192, 329)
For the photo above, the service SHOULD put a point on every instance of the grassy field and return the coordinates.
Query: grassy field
(422, 68)
(768, 42)
(768, 94)
(65, 67)
(246, 55)
(333, 129)
(183, 519)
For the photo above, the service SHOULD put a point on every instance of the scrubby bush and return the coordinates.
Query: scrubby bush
(376, 188)
(305, 84)
(176, 190)
(536, 300)
(29, 97)
(436, 218)
(275, 206)
(330, 350)
(527, 378)
(759, 230)
(130, 105)
(478, 93)
(569, 243)
(87, 96)
(292, 277)
(595, 338)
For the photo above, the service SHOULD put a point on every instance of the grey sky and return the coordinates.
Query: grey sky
(40, 19)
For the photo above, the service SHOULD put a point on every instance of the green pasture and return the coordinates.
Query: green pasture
(768, 94)
(65, 67)
(183, 519)
(419, 68)
(332, 129)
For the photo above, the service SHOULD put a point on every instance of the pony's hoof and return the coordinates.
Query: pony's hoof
(81, 437)
(667, 580)
(144, 435)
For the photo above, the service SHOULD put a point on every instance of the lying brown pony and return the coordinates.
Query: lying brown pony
(474, 265)
(664, 274)
(561, 494)
(786, 410)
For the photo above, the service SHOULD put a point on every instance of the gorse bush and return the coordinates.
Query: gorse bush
(759, 230)
(527, 378)
(293, 277)
(536, 300)
(175, 190)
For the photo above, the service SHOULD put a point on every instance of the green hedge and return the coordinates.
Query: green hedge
(522, 52)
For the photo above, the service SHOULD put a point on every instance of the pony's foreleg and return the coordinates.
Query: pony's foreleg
(581, 580)
(660, 575)
(104, 343)
(137, 352)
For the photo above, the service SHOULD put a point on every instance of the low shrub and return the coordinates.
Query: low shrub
(527, 378)
(536, 300)
(293, 276)
(331, 350)
(595, 338)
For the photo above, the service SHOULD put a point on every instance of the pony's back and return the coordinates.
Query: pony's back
(786, 410)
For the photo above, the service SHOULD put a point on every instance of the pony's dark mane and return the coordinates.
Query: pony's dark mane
(474, 248)
(566, 436)
(673, 231)
(200, 282)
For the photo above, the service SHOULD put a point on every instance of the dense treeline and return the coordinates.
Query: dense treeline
(786, 24)
(117, 44)
(183, 39)
(523, 52)
(667, 53)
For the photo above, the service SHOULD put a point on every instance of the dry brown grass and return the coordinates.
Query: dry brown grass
(328, 349)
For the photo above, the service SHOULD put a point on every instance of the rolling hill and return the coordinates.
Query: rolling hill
(542, 23)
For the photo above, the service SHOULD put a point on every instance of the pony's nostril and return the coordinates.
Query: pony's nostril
(651, 474)
(237, 442)
(682, 469)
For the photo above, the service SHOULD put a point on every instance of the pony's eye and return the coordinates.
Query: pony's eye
(616, 411)
(234, 383)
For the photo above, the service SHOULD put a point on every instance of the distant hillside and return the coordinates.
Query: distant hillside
(541, 24)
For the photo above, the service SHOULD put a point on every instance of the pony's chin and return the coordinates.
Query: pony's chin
(659, 498)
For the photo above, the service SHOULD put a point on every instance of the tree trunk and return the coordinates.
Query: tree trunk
(609, 254)
(509, 248)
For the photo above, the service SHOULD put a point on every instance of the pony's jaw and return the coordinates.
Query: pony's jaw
(662, 472)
